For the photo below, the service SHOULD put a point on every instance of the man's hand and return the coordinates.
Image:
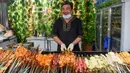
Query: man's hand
(71, 46)
(63, 47)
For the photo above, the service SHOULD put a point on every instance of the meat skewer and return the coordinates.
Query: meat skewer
(65, 62)
(12, 66)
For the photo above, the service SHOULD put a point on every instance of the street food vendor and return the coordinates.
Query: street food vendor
(67, 30)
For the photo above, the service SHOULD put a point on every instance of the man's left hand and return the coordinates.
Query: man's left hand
(71, 46)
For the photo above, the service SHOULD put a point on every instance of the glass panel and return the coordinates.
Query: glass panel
(98, 29)
(116, 22)
(115, 44)
(116, 26)
(105, 22)
(104, 25)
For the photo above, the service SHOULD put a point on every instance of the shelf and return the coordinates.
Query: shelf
(113, 16)
(119, 15)
(117, 39)
(117, 28)
(105, 26)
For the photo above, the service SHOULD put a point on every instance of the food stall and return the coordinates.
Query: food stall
(25, 61)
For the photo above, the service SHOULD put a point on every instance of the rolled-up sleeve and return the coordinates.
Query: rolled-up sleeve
(80, 30)
(55, 29)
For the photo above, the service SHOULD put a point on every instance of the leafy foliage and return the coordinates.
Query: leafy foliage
(90, 27)
(16, 18)
(29, 15)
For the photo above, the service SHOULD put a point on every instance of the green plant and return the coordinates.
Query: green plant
(16, 17)
(85, 10)
(26, 16)
(89, 29)
(43, 17)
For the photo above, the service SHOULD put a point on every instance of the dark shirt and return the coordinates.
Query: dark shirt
(68, 32)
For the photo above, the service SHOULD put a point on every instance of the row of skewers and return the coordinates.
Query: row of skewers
(25, 61)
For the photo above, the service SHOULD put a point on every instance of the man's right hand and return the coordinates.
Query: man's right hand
(63, 47)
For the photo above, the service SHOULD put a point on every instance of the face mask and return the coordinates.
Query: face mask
(66, 16)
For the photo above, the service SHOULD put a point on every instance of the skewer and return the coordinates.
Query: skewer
(127, 68)
(12, 66)
(69, 70)
(27, 70)
(118, 69)
(31, 70)
(10, 62)
(124, 71)
(48, 70)
(17, 67)
(54, 70)
(43, 70)
(112, 69)
(62, 70)
(22, 69)
(66, 69)
(36, 69)
(40, 70)
(57, 70)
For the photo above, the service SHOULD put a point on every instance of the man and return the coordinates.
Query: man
(67, 30)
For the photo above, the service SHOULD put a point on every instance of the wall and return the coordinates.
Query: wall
(125, 46)
(3, 14)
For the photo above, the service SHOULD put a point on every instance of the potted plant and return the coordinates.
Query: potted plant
(89, 27)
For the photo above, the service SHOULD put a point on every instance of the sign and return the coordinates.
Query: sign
(105, 3)
(98, 2)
